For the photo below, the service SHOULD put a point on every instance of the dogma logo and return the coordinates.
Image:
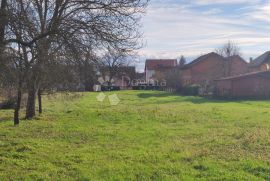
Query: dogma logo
(113, 99)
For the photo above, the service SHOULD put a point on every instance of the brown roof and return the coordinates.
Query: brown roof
(206, 56)
(260, 60)
(237, 56)
(152, 64)
(201, 58)
(258, 73)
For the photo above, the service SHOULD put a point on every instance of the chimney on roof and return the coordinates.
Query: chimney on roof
(250, 59)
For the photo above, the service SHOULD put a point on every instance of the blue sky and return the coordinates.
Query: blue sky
(195, 27)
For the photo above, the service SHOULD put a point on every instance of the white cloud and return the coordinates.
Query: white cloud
(213, 11)
(172, 30)
(262, 13)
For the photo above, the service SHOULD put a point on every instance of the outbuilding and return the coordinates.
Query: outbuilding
(255, 84)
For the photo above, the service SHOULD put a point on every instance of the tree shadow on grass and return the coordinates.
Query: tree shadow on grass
(165, 97)
(176, 97)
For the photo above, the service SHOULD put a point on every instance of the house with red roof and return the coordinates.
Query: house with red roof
(155, 68)
(227, 77)
(207, 68)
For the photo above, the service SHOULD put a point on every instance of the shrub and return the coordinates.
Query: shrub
(138, 88)
(191, 90)
(146, 87)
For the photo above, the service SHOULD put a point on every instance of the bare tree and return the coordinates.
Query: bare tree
(13, 74)
(46, 27)
(112, 62)
(173, 79)
(228, 50)
(87, 68)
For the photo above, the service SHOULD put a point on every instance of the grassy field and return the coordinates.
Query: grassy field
(147, 136)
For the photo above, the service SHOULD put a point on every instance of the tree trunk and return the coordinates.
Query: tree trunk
(39, 102)
(3, 19)
(31, 100)
(88, 84)
(3, 23)
(18, 107)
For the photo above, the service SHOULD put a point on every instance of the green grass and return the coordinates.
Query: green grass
(148, 136)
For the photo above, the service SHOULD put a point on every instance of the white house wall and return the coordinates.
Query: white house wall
(149, 74)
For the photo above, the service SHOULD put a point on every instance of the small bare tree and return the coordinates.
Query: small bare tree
(173, 79)
(228, 50)
(86, 67)
(112, 62)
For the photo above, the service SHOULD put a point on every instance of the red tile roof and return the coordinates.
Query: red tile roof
(212, 54)
(201, 58)
(152, 64)
(231, 58)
